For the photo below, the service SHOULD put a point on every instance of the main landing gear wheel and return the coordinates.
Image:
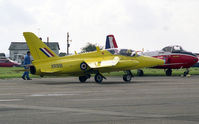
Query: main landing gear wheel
(140, 72)
(84, 78)
(98, 78)
(83, 66)
(128, 76)
(168, 72)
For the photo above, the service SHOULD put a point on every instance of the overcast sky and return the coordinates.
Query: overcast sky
(136, 24)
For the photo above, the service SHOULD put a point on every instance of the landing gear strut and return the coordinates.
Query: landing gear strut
(127, 77)
(168, 72)
(186, 72)
(140, 72)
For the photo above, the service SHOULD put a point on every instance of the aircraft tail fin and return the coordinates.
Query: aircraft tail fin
(110, 42)
(38, 49)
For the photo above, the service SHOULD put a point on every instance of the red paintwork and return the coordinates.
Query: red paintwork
(8, 63)
(177, 61)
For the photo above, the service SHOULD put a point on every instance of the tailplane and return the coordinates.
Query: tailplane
(38, 49)
(110, 42)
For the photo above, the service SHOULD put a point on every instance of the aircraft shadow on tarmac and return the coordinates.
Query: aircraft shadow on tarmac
(76, 82)
(65, 83)
(51, 82)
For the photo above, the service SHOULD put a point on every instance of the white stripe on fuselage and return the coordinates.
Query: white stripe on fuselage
(156, 54)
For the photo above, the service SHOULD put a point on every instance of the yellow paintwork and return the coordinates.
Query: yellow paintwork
(100, 60)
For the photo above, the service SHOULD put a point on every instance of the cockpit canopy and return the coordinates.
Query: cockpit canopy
(123, 52)
(173, 49)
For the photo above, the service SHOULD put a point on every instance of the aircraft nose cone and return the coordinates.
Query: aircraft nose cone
(158, 61)
(151, 62)
(195, 60)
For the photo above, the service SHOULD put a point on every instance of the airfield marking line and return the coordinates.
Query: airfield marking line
(11, 94)
(66, 109)
(87, 111)
(9, 100)
(42, 94)
(52, 94)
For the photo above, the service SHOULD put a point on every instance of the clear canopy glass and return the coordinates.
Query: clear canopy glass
(123, 52)
(175, 48)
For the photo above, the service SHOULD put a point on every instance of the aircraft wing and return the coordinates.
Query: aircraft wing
(100, 63)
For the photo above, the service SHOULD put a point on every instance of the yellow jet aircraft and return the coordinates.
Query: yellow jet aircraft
(46, 62)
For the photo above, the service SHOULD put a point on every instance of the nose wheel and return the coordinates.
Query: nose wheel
(186, 72)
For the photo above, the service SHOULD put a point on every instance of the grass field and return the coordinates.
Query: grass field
(159, 72)
(12, 72)
(16, 72)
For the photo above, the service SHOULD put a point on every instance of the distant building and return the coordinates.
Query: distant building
(19, 49)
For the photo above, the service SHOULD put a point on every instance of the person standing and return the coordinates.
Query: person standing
(27, 62)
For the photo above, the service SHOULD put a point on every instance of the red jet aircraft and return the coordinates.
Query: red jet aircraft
(175, 57)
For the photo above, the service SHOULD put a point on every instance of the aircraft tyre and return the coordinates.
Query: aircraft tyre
(98, 78)
(127, 77)
(140, 72)
(168, 72)
(83, 66)
(83, 78)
